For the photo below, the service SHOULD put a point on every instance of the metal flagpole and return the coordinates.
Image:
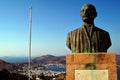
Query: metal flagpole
(29, 59)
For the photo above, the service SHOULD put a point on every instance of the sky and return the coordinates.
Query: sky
(51, 21)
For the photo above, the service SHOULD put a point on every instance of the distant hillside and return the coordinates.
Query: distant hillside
(48, 59)
(6, 65)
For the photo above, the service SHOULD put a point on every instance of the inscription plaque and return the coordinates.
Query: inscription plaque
(91, 74)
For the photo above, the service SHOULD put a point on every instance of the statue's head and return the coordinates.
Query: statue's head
(88, 13)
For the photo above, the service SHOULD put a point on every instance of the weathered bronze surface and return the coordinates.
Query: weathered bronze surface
(88, 38)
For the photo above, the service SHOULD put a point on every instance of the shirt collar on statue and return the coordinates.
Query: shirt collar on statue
(88, 25)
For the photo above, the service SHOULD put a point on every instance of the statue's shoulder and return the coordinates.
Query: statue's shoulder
(100, 30)
(76, 30)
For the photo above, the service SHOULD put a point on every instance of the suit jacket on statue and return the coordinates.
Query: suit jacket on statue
(81, 41)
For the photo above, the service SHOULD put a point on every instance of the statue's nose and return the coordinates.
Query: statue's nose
(85, 12)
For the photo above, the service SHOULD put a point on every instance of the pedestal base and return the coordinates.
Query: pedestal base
(91, 61)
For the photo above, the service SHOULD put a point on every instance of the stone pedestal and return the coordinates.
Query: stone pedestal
(91, 61)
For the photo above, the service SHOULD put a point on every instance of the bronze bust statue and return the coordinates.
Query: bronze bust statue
(88, 38)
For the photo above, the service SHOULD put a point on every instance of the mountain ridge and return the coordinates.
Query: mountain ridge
(50, 59)
(6, 65)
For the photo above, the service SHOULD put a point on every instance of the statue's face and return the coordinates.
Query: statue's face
(88, 13)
